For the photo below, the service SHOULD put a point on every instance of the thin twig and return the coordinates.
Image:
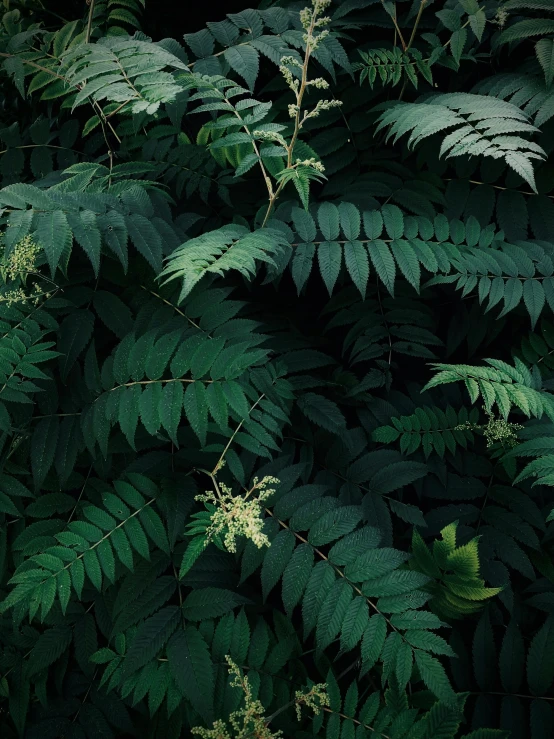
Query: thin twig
(297, 120)
(90, 3)
(416, 24)
(167, 302)
(397, 29)
(238, 428)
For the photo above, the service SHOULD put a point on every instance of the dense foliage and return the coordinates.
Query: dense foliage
(276, 370)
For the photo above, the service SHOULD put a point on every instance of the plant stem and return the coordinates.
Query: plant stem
(90, 3)
(297, 119)
(416, 24)
(398, 31)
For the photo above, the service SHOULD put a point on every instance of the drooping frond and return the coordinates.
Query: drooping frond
(229, 248)
(480, 128)
(128, 72)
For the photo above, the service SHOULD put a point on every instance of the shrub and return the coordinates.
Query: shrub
(276, 410)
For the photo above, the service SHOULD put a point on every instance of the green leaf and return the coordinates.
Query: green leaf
(373, 224)
(171, 405)
(54, 235)
(86, 232)
(328, 219)
(276, 559)
(540, 659)
(191, 667)
(443, 720)
(434, 676)
(457, 43)
(512, 657)
(334, 524)
(50, 645)
(534, 298)
(404, 664)
(113, 312)
(357, 264)
(396, 582)
(196, 409)
(329, 255)
(151, 637)
(373, 640)
(322, 412)
(394, 221)
(217, 404)
(332, 613)
(146, 240)
(302, 264)
(477, 23)
(296, 576)
(204, 357)
(321, 579)
(74, 335)
(349, 220)
(354, 624)
(149, 407)
(210, 603)
(244, 60)
(407, 261)
(192, 552)
(544, 49)
(43, 448)
(383, 262)
(374, 563)
(396, 475)
(429, 642)
(304, 224)
(526, 29)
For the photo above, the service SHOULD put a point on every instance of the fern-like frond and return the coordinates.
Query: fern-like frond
(499, 384)
(476, 128)
(390, 66)
(87, 549)
(229, 248)
(430, 428)
(92, 207)
(128, 72)
(528, 91)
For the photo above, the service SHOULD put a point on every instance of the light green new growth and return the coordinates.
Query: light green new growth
(458, 588)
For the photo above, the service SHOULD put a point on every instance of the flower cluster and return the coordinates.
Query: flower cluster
(22, 258)
(321, 106)
(18, 295)
(496, 430)
(248, 721)
(499, 429)
(500, 18)
(310, 22)
(319, 83)
(235, 515)
(313, 163)
(284, 68)
(272, 136)
(315, 698)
